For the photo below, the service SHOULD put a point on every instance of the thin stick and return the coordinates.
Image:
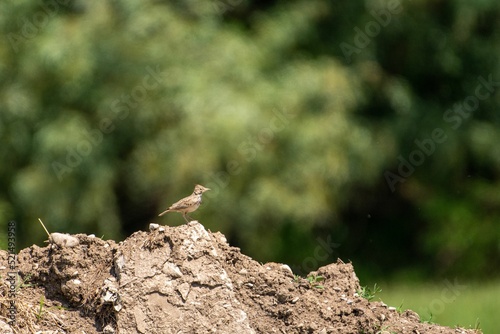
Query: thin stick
(44, 227)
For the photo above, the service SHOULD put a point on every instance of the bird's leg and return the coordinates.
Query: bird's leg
(185, 215)
(189, 218)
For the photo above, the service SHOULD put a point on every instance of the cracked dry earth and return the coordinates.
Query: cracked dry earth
(184, 279)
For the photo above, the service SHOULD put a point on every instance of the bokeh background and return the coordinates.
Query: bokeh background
(362, 130)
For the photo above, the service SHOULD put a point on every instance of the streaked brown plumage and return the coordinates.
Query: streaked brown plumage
(187, 204)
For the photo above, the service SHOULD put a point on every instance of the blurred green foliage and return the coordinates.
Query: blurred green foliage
(309, 120)
(448, 302)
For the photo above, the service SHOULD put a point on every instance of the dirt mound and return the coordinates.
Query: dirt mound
(184, 280)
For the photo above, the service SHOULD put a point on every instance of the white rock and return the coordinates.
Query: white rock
(64, 240)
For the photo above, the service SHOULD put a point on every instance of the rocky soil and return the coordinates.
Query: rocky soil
(183, 279)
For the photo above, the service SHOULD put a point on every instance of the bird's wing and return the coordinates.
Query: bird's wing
(179, 205)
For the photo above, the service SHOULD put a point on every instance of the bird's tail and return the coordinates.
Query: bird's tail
(164, 212)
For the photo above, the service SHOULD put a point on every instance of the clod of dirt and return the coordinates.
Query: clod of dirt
(185, 279)
(64, 240)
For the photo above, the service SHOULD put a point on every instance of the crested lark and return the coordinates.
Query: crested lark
(187, 204)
